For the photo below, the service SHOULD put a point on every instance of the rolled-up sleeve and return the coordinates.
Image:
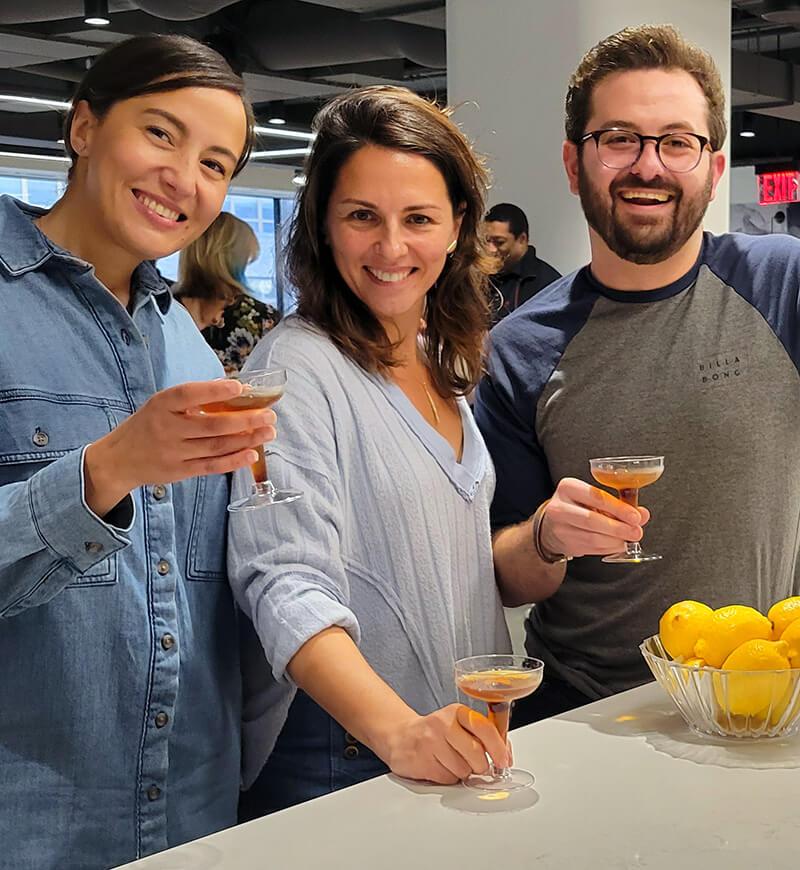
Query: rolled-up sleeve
(284, 561)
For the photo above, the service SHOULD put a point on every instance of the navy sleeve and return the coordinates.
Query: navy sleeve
(764, 270)
(524, 350)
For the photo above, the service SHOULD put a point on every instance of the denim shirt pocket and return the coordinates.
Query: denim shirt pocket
(38, 427)
(206, 553)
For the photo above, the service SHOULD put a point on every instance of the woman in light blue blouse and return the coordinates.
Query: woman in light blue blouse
(365, 592)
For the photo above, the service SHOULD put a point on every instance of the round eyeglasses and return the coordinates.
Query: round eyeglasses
(619, 149)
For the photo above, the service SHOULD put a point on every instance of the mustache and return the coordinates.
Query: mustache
(657, 183)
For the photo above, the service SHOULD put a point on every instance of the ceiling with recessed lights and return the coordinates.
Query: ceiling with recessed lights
(295, 54)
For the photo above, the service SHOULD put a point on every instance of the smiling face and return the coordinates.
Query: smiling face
(644, 214)
(155, 169)
(510, 249)
(389, 222)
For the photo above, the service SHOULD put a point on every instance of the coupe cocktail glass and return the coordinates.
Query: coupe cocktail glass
(499, 680)
(627, 475)
(261, 389)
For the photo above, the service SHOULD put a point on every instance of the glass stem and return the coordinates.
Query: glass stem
(631, 497)
(500, 716)
(264, 487)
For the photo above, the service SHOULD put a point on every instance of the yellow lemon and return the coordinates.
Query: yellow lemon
(728, 628)
(753, 694)
(780, 708)
(680, 626)
(791, 636)
(782, 614)
(691, 662)
(694, 662)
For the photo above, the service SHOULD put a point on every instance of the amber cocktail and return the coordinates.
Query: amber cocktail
(499, 680)
(261, 389)
(627, 475)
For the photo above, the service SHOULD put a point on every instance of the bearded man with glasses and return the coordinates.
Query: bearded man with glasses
(670, 341)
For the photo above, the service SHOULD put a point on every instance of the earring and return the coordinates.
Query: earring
(450, 249)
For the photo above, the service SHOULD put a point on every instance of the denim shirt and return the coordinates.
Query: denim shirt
(120, 699)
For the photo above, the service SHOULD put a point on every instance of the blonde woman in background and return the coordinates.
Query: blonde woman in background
(211, 285)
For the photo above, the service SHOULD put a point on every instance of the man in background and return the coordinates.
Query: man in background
(522, 274)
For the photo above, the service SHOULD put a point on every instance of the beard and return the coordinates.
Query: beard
(642, 242)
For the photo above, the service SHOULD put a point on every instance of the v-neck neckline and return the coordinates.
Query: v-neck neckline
(466, 474)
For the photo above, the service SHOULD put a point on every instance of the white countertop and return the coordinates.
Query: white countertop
(622, 783)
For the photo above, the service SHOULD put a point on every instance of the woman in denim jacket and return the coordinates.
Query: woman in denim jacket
(120, 699)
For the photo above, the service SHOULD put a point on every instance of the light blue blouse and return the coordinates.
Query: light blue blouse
(391, 540)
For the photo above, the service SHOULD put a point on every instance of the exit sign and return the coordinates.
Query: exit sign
(782, 186)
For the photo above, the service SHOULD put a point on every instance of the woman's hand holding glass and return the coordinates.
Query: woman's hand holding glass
(583, 520)
(168, 439)
(445, 746)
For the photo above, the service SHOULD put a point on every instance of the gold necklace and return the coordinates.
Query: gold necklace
(434, 409)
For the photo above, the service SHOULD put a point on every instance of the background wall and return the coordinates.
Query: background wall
(515, 110)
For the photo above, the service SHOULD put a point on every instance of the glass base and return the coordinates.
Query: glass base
(632, 558)
(257, 500)
(512, 779)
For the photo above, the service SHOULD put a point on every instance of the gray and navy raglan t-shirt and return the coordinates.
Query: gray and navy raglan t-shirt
(703, 371)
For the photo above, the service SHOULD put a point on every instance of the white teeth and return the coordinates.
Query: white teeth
(390, 277)
(646, 194)
(158, 208)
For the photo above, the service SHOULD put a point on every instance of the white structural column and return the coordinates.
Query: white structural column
(508, 64)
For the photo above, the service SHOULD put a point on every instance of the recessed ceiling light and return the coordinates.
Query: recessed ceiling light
(277, 121)
(95, 12)
(746, 129)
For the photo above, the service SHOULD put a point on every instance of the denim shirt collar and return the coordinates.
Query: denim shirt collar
(28, 249)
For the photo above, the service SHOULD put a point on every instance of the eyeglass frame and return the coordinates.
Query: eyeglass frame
(704, 141)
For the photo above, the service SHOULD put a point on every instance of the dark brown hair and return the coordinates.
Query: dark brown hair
(644, 47)
(457, 313)
(156, 64)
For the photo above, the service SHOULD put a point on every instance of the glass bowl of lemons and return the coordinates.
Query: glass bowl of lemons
(731, 672)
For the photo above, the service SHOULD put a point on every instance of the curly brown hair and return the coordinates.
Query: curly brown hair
(457, 310)
(645, 47)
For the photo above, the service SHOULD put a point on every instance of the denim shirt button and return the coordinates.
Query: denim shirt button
(153, 793)
(161, 719)
(167, 641)
(126, 336)
(40, 439)
(350, 752)
(159, 491)
(93, 547)
(163, 567)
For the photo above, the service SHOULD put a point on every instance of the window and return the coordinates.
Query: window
(260, 211)
(43, 191)
(263, 212)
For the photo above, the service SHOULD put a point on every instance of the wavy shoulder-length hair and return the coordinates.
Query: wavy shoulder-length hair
(212, 266)
(457, 311)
